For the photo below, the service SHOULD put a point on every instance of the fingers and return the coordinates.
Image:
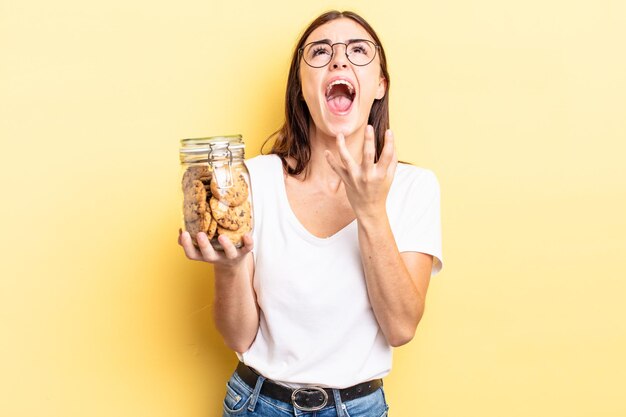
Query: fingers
(388, 159)
(344, 154)
(206, 252)
(230, 251)
(190, 250)
(332, 161)
(248, 243)
(369, 148)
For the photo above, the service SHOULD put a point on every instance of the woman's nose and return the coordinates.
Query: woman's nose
(339, 58)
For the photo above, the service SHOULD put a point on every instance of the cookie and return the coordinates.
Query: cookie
(194, 204)
(233, 196)
(196, 192)
(198, 172)
(231, 218)
(235, 236)
(200, 225)
(195, 211)
(212, 229)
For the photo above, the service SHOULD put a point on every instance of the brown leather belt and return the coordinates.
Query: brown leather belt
(308, 398)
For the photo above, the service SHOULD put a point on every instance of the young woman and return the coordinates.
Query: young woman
(344, 244)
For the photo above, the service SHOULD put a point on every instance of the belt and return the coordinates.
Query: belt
(307, 398)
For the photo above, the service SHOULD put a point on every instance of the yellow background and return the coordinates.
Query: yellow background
(519, 107)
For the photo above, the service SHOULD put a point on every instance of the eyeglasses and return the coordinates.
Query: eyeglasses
(318, 54)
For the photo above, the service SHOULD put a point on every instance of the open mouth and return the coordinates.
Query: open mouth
(339, 96)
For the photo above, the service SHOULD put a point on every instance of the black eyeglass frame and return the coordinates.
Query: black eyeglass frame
(332, 48)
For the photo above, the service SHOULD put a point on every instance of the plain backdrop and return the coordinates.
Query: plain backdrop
(518, 107)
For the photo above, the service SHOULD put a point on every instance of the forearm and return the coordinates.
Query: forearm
(235, 309)
(395, 299)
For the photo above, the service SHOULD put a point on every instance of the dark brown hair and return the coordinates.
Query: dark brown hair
(292, 139)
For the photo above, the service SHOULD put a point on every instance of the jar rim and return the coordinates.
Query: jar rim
(226, 139)
(217, 147)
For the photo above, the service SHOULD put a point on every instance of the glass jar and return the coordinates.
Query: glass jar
(216, 189)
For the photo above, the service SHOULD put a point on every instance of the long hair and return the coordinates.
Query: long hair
(292, 139)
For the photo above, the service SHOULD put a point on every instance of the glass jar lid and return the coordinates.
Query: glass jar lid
(202, 150)
(204, 145)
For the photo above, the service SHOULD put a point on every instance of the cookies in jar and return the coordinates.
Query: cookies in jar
(215, 186)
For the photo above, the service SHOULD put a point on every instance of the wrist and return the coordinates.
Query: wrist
(371, 215)
(373, 223)
(229, 270)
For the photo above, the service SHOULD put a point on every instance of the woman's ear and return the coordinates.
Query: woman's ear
(382, 88)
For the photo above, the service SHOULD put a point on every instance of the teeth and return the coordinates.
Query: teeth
(336, 82)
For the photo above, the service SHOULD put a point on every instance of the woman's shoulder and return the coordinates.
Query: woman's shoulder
(412, 175)
(261, 164)
(260, 160)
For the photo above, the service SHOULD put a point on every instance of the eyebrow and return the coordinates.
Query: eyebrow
(328, 41)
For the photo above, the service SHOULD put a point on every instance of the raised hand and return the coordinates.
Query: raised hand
(367, 184)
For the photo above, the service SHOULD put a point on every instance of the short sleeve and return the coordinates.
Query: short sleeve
(414, 213)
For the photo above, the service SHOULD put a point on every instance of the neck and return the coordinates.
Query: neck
(321, 141)
(318, 170)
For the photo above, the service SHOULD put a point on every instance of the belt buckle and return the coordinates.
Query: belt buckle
(308, 391)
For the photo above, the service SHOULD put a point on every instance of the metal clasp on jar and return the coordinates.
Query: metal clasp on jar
(222, 170)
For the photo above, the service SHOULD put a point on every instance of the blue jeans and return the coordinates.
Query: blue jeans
(245, 401)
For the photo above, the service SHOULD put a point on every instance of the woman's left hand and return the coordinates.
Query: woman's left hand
(367, 184)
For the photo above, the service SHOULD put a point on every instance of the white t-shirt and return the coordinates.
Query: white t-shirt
(316, 322)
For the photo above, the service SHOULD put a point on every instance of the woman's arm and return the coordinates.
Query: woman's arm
(396, 283)
(236, 311)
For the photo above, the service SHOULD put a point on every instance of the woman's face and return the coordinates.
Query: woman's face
(340, 95)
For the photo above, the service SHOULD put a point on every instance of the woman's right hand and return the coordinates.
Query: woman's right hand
(230, 257)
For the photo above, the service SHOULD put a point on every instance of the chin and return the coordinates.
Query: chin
(347, 124)
(331, 124)
(348, 127)
(335, 128)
